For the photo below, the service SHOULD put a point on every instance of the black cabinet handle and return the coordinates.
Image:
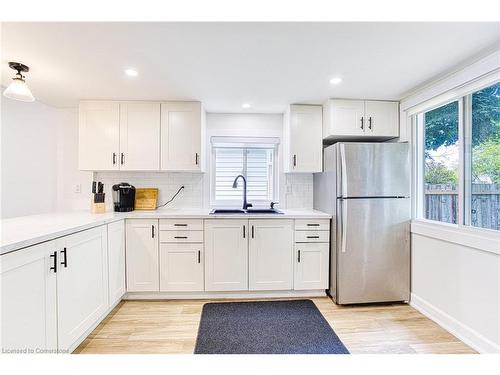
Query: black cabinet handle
(196, 158)
(65, 258)
(181, 237)
(298, 256)
(54, 267)
(312, 225)
(294, 160)
(180, 225)
(370, 123)
(152, 231)
(252, 232)
(199, 256)
(122, 158)
(114, 158)
(312, 236)
(244, 230)
(362, 123)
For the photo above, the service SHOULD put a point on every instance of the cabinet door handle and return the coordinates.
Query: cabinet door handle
(298, 256)
(54, 267)
(152, 231)
(312, 236)
(65, 258)
(180, 225)
(252, 232)
(122, 158)
(181, 237)
(199, 256)
(370, 123)
(244, 231)
(294, 160)
(312, 225)
(196, 158)
(362, 123)
(114, 158)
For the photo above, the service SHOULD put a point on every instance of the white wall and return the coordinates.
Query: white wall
(295, 191)
(38, 159)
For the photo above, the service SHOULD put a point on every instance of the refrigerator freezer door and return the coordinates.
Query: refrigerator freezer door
(374, 170)
(373, 250)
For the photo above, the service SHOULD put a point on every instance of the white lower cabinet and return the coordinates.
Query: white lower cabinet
(142, 255)
(271, 254)
(28, 293)
(116, 261)
(226, 255)
(181, 267)
(311, 266)
(82, 284)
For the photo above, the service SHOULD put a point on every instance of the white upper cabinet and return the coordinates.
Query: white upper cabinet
(28, 290)
(382, 118)
(270, 254)
(99, 135)
(182, 136)
(303, 142)
(359, 119)
(139, 136)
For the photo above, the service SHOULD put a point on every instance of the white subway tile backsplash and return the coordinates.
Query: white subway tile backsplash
(299, 191)
(167, 183)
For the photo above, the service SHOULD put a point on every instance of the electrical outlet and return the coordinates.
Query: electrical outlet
(78, 188)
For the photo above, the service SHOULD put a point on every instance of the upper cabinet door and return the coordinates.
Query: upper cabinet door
(305, 138)
(139, 136)
(99, 135)
(382, 118)
(181, 136)
(344, 118)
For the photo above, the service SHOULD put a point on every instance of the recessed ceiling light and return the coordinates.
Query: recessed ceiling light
(336, 80)
(245, 105)
(131, 72)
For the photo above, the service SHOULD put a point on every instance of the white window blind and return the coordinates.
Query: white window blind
(253, 158)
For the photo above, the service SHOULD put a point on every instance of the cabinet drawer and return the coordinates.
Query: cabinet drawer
(312, 224)
(312, 236)
(181, 224)
(181, 236)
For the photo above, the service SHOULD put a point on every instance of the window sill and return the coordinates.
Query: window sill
(476, 238)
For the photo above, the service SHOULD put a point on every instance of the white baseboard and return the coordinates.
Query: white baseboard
(463, 332)
(224, 295)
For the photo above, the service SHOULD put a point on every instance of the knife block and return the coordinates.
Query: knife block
(97, 208)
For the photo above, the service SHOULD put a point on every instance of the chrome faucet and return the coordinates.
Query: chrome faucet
(235, 185)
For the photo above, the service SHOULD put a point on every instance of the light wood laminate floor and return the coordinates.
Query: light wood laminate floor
(171, 327)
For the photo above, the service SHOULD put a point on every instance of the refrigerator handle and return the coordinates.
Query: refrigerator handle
(343, 225)
(343, 177)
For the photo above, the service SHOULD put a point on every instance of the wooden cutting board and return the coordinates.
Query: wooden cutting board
(146, 198)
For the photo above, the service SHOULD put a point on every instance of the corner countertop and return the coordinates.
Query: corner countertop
(20, 232)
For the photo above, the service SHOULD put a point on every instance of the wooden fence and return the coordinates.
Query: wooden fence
(441, 203)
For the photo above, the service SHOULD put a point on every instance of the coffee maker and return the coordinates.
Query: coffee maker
(123, 197)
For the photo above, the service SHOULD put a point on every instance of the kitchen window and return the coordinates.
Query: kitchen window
(254, 158)
(458, 153)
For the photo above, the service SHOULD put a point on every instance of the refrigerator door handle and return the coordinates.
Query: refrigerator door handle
(343, 225)
(343, 177)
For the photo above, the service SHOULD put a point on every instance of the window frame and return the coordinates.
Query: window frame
(415, 119)
(247, 145)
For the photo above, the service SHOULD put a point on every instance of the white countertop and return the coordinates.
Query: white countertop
(19, 232)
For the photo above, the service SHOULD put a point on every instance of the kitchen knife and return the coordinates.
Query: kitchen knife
(100, 187)
(94, 187)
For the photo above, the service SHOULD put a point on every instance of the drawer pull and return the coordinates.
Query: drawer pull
(312, 225)
(180, 237)
(180, 225)
(312, 236)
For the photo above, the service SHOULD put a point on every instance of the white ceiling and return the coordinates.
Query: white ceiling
(226, 64)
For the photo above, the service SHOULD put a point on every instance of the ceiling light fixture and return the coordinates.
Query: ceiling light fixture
(131, 72)
(336, 80)
(18, 90)
(245, 105)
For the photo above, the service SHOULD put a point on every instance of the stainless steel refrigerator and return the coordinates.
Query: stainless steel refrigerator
(366, 189)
